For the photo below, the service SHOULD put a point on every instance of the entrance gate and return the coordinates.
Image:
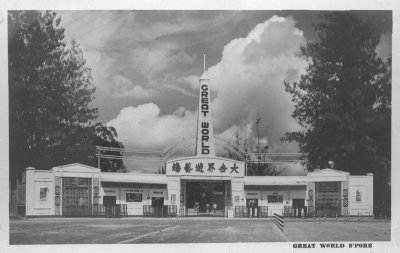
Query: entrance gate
(76, 196)
(327, 201)
(205, 198)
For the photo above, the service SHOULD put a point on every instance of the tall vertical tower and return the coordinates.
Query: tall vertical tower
(205, 145)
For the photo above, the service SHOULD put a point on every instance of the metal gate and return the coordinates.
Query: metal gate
(76, 196)
(327, 200)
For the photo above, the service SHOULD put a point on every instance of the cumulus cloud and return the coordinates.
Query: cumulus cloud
(144, 127)
(247, 80)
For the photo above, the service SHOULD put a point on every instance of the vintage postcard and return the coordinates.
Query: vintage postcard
(146, 127)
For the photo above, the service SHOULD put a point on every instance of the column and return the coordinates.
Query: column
(174, 188)
(30, 190)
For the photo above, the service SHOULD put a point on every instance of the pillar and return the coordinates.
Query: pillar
(345, 197)
(30, 191)
(174, 188)
(57, 196)
(370, 204)
(310, 198)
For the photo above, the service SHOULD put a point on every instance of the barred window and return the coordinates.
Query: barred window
(43, 193)
(358, 196)
(275, 198)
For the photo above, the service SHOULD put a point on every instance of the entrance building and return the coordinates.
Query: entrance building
(203, 184)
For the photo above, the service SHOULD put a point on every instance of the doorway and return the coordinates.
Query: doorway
(109, 200)
(252, 207)
(76, 196)
(205, 198)
(110, 206)
(299, 207)
(327, 199)
(157, 203)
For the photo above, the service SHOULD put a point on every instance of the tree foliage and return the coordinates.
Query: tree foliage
(343, 101)
(50, 95)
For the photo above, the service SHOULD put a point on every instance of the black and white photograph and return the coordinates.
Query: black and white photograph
(203, 128)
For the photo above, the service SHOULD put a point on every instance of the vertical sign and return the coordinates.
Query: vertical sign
(205, 137)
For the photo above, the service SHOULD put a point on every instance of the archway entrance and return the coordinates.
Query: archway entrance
(205, 198)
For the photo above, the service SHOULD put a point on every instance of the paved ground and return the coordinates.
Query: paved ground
(186, 230)
(299, 231)
(141, 230)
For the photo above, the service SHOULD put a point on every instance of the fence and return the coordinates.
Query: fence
(246, 211)
(293, 212)
(160, 211)
(17, 200)
(109, 211)
(279, 221)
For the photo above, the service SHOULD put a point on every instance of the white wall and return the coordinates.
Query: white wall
(133, 208)
(35, 180)
(238, 197)
(364, 184)
(275, 207)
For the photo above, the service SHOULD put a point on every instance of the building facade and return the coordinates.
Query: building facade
(73, 190)
(202, 184)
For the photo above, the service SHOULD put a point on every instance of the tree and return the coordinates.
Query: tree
(50, 92)
(343, 101)
(80, 147)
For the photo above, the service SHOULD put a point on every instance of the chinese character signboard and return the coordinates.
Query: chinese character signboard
(210, 166)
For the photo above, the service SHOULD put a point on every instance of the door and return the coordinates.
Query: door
(109, 200)
(76, 196)
(158, 204)
(298, 207)
(109, 203)
(252, 207)
(327, 200)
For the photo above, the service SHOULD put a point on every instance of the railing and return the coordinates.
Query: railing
(279, 221)
(115, 211)
(160, 211)
(293, 211)
(247, 211)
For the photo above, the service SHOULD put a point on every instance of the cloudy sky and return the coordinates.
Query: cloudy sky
(146, 67)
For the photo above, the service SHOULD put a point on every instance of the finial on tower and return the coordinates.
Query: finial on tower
(204, 76)
(204, 63)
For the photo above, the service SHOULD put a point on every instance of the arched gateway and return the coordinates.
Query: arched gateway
(203, 184)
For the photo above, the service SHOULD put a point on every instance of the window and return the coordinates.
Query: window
(133, 197)
(43, 193)
(275, 198)
(358, 196)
